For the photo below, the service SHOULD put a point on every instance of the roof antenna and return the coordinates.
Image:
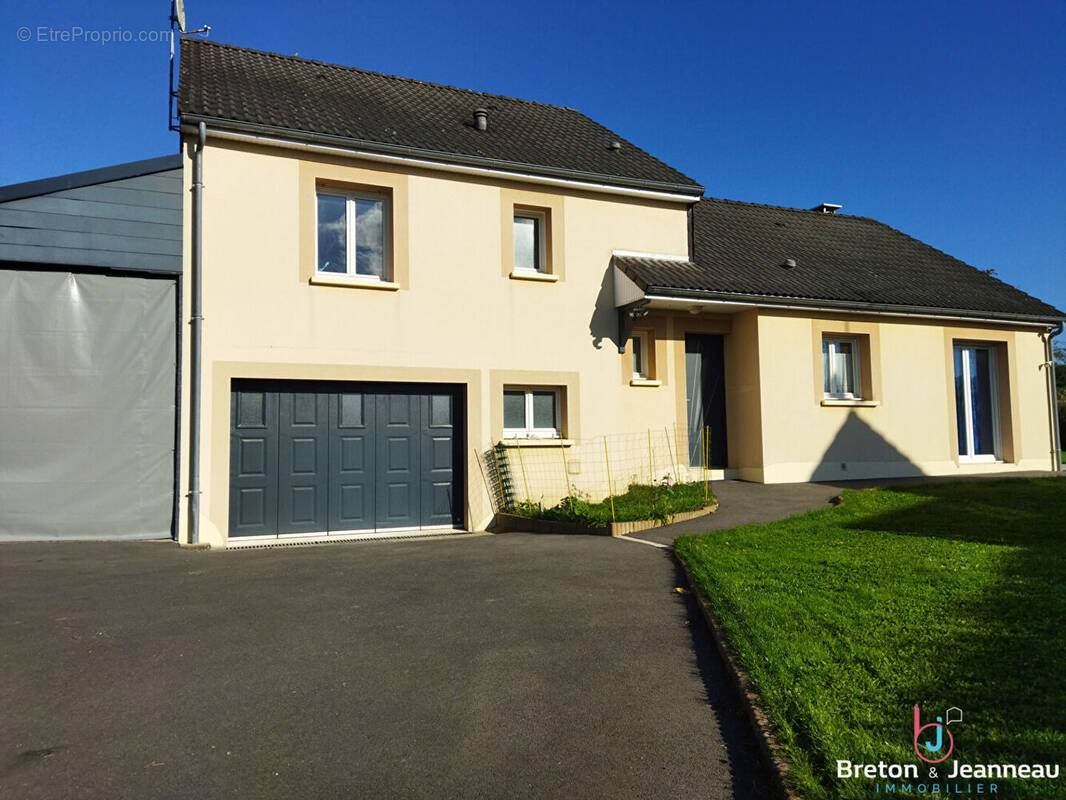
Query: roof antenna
(177, 22)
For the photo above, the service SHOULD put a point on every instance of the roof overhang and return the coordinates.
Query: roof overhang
(629, 294)
(431, 159)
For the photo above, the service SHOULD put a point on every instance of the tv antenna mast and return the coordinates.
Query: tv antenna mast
(177, 23)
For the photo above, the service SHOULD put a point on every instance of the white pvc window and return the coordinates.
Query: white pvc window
(841, 371)
(531, 413)
(529, 241)
(640, 356)
(977, 403)
(352, 237)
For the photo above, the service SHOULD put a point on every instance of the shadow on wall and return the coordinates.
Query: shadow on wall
(604, 321)
(858, 451)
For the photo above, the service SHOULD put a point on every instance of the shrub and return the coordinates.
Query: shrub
(640, 501)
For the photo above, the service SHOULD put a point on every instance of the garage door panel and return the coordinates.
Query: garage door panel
(351, 413)
(397, 447)
(441, 453)
(440, 410)
(251, 459)
(304, 463)
(304, 504)
(438, 443)
(305, 409)
(253, 506)
(253, 463)
(304, 453)
(351, 470)
(251, 410)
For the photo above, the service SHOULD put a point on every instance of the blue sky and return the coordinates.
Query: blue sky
(946, 120)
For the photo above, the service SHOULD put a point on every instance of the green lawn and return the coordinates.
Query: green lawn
(950, 594)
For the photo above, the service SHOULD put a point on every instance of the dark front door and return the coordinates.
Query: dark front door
(705, 395)
(343, 457)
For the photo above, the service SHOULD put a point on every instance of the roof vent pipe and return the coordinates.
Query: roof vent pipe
(481, 119)
(827, 208)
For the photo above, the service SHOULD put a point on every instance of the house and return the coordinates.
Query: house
(397, 274)
(385, 277)
(90, 268)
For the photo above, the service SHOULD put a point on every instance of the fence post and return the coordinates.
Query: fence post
(677, 450)
(673, 459)
(525, 481)
(651, 461)
(610, 485)
(493, 501)
(706, 459)
(566, 474)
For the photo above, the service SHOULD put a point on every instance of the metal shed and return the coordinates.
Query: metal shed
(90, 265)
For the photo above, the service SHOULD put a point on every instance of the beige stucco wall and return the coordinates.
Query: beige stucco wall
(911, 429)
(456, 317)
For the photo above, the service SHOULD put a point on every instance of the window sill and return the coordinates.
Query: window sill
(645, 382)
(538, 442)
(828, 401)
(523, 275)
(358, 283)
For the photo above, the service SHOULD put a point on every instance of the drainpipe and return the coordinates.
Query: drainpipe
(196, 322)
(1056, 443)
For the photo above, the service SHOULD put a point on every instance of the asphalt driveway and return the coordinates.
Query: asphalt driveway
(478, 667)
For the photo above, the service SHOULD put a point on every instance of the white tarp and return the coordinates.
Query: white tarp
(86, 406)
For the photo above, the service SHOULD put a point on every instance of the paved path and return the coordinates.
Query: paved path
(511, 666)
(746, 503)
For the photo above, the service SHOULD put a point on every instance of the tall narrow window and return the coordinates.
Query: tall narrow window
(353, 234)
(529, 241)
(976, 403)
(840, 369)
(640, 356)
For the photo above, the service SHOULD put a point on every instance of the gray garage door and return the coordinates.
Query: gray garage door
(87, 400)
(343, 457)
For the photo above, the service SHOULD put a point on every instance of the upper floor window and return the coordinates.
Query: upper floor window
(841, 369)
(353, 234)
(530, 241)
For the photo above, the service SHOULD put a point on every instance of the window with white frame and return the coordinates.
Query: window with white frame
(531, 413)
(530, 241)
(353, 234)
(841, 369)
(641, 371)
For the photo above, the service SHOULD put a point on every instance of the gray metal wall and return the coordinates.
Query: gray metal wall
(89, 267)
(124, 221)
(86, 405)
